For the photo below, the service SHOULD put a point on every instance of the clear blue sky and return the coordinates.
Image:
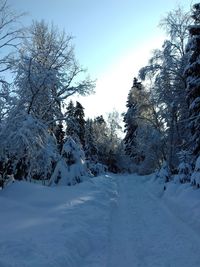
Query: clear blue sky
(111, 36)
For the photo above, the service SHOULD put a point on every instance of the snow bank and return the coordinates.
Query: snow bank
(55, 226)
(183, 200)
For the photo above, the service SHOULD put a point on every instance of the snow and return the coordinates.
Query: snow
(54, 226)
(146, 232)
(107, 221)
(71, 168)
(195, 178)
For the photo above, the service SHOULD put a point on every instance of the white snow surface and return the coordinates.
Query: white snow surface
(107, 221)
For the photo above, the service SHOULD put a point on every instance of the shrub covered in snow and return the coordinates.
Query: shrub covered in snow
(184, 168)
(97, 168)
(27, 150)
(164, 173)
(71, 168)
(195, 178)
(184, 172)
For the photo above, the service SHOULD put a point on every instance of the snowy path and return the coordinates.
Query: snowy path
(108, 221)
(145, 233)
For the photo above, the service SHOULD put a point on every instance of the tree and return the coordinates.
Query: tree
(59, 134)
(192, 73)
(165, 74)
(100, 131)
(75, 122)
(114, 126)
(91, 151)
(80, 122)
(27, 149)
(131, 122)
(71, 167)
(47, 73)
(11, 35)
(70, 120)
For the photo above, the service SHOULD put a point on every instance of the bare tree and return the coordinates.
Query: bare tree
(11, 34)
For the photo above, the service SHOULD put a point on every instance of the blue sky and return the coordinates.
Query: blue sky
(113, 39)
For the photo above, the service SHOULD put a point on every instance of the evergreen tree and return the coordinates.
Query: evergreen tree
(192, 74)
(71, 167)
(91, 150)
(70, 120)
(80, 122)
(101, 138)
(59, 134)
(130, 120)
(75, 122)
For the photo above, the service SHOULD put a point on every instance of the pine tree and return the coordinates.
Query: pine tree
(59, 134)
(192, 74)
(130, 121)
(70, 120)
(75, 122)
(91, 150)
(71, 168)
(80, 122)
(101, 138)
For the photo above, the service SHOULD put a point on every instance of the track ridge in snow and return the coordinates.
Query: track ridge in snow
(145, 233)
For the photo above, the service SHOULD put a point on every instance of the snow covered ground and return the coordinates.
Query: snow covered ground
(55, 226)
(108, 221)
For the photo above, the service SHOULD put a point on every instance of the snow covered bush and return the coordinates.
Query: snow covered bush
(71, 168)
(97, 168)
(184, 168)
(195, 178)
(164, 173)
(27, 150)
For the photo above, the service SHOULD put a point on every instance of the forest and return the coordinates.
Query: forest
(44, 134)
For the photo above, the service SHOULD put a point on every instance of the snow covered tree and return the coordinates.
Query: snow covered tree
(71, 168)
(59, 134)
(165, 75)
(28, 151)
(138, 115)
(143, 139)
(130, 120)
(94, 164)
(48, 73)
(70, 120)
(75, 122)
(192, 73)
(80, 122)
(91, 150)
(100, 131)
(11, 35)
(184, 167)
(164, 173)
(114, 140)
(195, 178)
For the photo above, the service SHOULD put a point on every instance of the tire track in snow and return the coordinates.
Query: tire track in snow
(144, 233)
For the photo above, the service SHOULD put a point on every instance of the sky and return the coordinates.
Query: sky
(113, 39)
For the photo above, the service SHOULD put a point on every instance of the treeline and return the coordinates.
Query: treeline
(162, 122)
(43, 135)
